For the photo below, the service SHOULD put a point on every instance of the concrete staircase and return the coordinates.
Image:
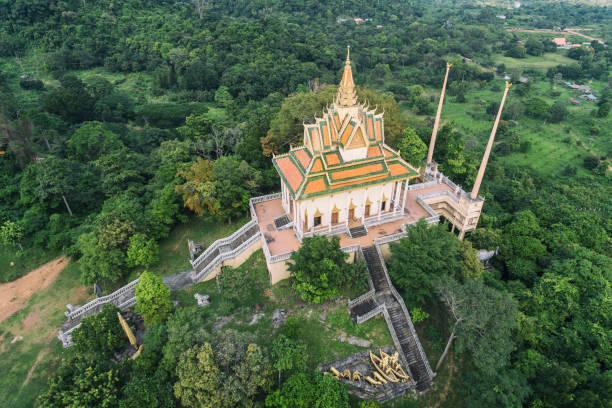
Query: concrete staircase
(386, 300)
(359, 231)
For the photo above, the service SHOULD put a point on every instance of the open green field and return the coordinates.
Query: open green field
(15, 263)
(553, 145)
(543, 62)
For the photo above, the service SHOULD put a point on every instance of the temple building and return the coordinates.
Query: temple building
(345, 181)
(344, 173)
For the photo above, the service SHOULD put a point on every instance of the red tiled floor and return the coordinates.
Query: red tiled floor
(280, 242)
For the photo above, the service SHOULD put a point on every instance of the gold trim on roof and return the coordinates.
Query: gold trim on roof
(336, 209)
(318, 213)
(368, 202)
(352, 206)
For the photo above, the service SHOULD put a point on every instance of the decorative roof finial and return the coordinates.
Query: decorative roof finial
(346, 95)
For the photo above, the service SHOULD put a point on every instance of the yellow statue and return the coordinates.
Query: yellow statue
(335, 372)
(128, 331)
(372, 381)
(389, 367)
(357, 375)
(137, 353)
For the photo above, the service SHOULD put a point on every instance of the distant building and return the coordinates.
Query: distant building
(589, 97)
(574, 101)
(342, 20)
(501, 17)
(379, 26)
(560, 41)
(576, 45)
(358, 20)
(517, 4)
(523, 80)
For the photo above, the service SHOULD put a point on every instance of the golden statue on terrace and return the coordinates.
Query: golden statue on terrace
(389, 367)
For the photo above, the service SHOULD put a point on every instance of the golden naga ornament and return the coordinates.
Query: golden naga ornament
(388, 367)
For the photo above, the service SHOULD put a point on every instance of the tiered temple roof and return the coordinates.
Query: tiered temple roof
(319, 167)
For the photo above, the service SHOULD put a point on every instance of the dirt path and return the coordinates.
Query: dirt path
(39, 358)
(542, 31)
(14, 295)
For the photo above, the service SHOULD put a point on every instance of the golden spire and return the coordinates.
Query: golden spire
(346, 95)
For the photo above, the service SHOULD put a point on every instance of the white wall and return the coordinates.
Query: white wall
(342, 200)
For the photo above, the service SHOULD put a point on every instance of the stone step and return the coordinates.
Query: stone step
(357, 232)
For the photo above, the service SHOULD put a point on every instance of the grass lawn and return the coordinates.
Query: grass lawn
(319, 326)
(26, 364)
(22, 261)
(543, 62)
(173, 251)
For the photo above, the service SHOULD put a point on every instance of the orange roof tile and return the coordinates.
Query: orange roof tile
(347, 133)
(356, 172)
(315, 186)
(303, 157)
(332, 158)
(397, 169)
(290, 171)
(316, 142)
(337, 121)
(374, 151)
(378, 130)
(317, 166)
(326, 140)
(360, 181)
(371, 129)
(388, 153)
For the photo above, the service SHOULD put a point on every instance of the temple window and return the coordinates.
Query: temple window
(383, 206)
(317, 221)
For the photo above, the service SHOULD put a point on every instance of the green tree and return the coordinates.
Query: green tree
(558, 112)
(537, 107)
(83, 381)
(97, 263)
(604, 110)
(235, 182)
(100, 334)
(199, 379)
(309, 389)
(152, 298)
(11, 234)
(288, 355)
(427, 252)
(198, 191)
(90, 141)
(471, 267)
(142, 251)
(317, 268)
(230, 373)
(411, 147)
(481, 319)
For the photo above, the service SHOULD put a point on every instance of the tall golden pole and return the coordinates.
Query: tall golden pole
(434, 133)
(487, 152)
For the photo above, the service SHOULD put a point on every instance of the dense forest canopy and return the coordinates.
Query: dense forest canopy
(121, 120)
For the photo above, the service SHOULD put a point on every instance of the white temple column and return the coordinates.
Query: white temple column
(396, 195)
(405, 194)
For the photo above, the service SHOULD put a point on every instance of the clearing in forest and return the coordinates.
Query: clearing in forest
(14, 295)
